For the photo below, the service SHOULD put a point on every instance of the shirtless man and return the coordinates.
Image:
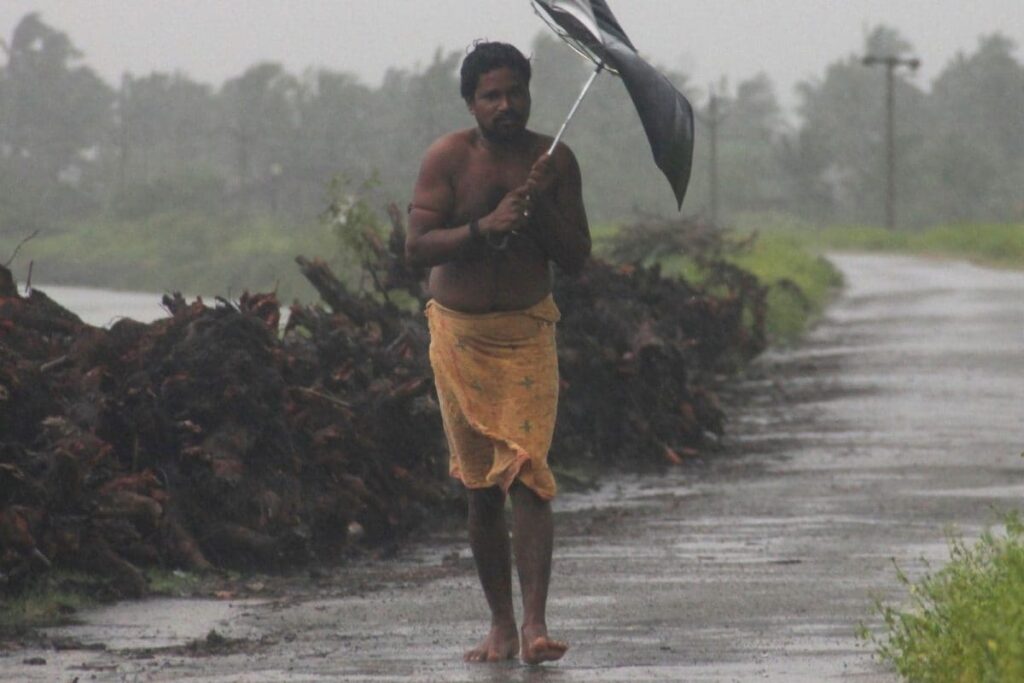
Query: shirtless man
(491, 210)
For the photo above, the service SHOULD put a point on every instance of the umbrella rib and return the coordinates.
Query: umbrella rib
(575, 106)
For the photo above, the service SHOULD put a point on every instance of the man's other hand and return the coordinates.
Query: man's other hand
(511, 213)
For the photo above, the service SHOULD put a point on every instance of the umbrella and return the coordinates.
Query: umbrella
(592, 30)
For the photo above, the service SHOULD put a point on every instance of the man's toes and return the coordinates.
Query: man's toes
(544, 649)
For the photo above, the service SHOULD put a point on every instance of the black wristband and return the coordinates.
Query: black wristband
(474, 230)
(500, 244)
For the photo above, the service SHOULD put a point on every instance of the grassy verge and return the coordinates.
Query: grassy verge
(800, 281)
(191, 253)
(55, 597)
(786, 249)
(966, 622)
(213, 255)
(781, 262)
(992, 245)
(50, 601)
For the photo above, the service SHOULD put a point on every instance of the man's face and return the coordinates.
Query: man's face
(501, 104)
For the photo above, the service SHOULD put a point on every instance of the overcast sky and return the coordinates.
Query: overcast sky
(790, 40)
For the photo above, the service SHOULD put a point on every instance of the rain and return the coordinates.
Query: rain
(788, 379)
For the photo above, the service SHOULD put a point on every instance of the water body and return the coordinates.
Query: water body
(103, 307)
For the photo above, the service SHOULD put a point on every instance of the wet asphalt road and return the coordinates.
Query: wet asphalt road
(899, 419)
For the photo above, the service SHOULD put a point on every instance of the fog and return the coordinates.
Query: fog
(172, 134)
(790, 40)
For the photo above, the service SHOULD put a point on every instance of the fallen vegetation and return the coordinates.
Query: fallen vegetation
(798, 283)
(219, 438)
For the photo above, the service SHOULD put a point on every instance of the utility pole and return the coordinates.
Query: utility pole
(890, 64)
(123, 135)
(713, 118)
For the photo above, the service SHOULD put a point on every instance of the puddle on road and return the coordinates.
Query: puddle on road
(158, 623)
(1015, 492)
(107, 634)
(627, 492)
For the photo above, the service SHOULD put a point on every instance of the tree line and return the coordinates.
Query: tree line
(269, 142)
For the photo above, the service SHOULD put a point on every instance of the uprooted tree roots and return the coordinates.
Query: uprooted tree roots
(215, 437)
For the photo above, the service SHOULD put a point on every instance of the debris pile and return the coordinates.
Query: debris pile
(210, 438)
(638, 356)
(218, 437)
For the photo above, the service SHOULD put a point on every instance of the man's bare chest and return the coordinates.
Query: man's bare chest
(481, 185)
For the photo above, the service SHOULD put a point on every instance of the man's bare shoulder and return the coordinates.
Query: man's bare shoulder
(441, 163)
(451, 147)
(562, 154)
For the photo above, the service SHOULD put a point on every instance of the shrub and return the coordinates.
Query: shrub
(964, 623)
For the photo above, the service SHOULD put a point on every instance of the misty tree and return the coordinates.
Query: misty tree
(164, 153)
(54, 116)
(749, 128)
(335, 111)
(270, 142)
(412, 109)
(974, 155)
(886, 41)
(166, 123)
(558, 76)
(259, 114)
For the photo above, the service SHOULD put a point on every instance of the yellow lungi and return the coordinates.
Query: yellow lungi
(497, 384)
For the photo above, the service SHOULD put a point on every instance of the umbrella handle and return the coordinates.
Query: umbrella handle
(575, 106)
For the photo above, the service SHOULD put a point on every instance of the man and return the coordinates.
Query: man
(491, 210)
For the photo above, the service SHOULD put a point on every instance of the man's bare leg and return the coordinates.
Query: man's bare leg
(488, 538)
(533, 538)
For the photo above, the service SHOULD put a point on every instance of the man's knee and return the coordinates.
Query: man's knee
(486, 501)
(523, 495)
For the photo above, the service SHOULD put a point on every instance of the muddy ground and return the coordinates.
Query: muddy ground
(897, 420)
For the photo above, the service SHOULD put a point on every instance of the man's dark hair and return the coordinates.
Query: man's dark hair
(486, 56)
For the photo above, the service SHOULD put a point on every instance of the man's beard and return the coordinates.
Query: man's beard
(505, 128)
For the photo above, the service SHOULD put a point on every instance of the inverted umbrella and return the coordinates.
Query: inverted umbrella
(591, 29)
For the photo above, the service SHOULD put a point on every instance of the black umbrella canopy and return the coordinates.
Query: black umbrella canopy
(590, 27)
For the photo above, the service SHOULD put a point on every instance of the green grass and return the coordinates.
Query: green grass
(51, 599)
(781, 261)
(786, 246)
(602, 234)
(800, 281)
(55, 597)
(999, 245)
(965, 623)
(191, 253)
(173, 582)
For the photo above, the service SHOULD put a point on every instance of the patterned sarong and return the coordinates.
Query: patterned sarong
(497, 384)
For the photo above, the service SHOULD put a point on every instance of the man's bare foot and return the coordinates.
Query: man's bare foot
(501, 643)
(537, 647)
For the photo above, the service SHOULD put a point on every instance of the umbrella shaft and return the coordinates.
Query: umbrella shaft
(575, 106)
